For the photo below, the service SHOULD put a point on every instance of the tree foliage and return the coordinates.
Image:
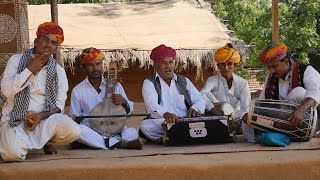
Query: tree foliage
(251, 21)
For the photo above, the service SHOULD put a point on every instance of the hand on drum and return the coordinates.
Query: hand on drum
(170, 118)
(297, 116)
(193, 113)
(117, 99)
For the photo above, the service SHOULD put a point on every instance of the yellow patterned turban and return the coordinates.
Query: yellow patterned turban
(91, 54)
(227, 54)
(273, 52)
(51, 28)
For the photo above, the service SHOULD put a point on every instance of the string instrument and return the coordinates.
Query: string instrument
(108, 126)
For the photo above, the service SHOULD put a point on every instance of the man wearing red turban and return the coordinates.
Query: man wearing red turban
(167, 95)
(91, 92)
(226, 89)
(35, 87)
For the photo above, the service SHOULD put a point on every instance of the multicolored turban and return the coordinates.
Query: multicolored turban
(91, 54)
(51, 28)
(227, 54)
(161, 52)
(273, 52)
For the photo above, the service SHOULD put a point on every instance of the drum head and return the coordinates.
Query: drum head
(227, 109)
(107, 126)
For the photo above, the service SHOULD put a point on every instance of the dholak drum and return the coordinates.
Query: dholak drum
(273, 116)
(200, 130)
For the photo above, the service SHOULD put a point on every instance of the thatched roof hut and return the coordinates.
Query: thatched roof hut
(127, 32)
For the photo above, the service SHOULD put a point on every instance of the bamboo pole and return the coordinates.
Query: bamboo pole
(275, 21)
(54, 18)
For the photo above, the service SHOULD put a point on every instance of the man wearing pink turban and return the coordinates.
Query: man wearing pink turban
(88, 94)
(226, 89)
(35, 87)
(167, 95)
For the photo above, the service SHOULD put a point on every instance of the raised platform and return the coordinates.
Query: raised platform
(228, 161)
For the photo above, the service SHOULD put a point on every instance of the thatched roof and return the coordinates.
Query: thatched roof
(130, 30)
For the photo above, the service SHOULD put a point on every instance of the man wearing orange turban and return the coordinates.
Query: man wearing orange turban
(167, 95)
(226, 88)
(290, 80)
(35, 87)
(88, 94)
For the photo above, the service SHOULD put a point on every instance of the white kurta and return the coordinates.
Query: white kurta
(238, 96)
(172, 101)
(311, 85)
(11, 84)
(84, 98)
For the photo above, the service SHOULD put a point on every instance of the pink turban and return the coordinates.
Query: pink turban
(161, 52)
(51, 28)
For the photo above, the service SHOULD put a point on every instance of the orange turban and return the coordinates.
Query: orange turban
(273, 52)
(161, 52)
(91, 54)
(226, 54)
(51, 28)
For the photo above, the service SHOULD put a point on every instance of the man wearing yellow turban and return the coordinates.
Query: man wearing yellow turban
(228, 88)
(35, 87)
(88, 94)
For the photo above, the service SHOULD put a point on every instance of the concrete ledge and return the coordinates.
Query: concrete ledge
(304, 164)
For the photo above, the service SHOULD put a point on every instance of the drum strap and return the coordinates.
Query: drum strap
(181, 86)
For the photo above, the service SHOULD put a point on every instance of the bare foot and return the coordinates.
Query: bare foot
(136, 144)
(49, 149)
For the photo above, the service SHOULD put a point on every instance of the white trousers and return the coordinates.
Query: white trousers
(152, 128)
(91, 138)
(15, 142)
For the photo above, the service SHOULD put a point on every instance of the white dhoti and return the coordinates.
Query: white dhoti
(91, 138)
(15, 142)
(152, 128)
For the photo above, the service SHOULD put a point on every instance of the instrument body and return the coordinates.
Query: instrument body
(108, 126)
(200, 130)
(273, 116)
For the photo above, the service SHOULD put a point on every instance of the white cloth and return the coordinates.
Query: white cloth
(12, 83)
(172, 101)
(84, 98)
(238, 96)
(311, 85)
(58, 128)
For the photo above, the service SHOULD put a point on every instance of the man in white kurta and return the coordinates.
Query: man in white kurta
(217, 90)
(289, 80)
(172, 104)
(87, 94)
(16, 138)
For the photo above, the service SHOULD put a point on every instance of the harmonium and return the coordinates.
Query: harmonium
(200, 130)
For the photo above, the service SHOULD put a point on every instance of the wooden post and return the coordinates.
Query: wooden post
(54, 18)
(275, 21)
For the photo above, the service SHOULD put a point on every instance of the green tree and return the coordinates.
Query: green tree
(251, 21)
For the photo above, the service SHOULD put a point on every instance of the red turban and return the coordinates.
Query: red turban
(51, 28)
(91, 54)
(273, 52)
(161, 52)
